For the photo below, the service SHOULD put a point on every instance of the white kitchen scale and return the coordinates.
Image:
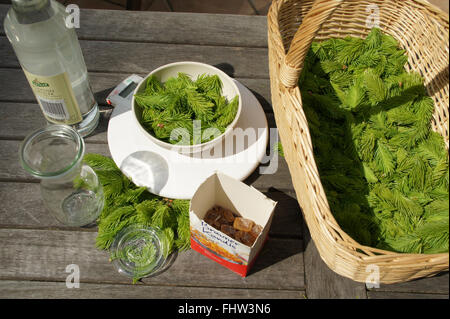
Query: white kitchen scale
(170, 174)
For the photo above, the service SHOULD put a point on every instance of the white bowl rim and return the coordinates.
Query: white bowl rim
(201, 146)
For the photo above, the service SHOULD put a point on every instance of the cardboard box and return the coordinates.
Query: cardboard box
(222, 190)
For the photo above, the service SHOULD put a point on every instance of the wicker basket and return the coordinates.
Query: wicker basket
(423, 31)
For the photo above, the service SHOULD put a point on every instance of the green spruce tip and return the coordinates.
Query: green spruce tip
(169, 108)
(278, 148)
(384, 171)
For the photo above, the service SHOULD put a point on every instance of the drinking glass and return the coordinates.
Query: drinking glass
(70, 189)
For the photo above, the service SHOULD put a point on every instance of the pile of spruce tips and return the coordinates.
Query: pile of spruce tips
(385, 172)
(169, 108)
(127, 204)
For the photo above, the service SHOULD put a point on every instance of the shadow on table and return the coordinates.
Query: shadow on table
(225, 67)
(265, 105)
(105, 112)
(287, 221)
(281, 243)
(229, 70)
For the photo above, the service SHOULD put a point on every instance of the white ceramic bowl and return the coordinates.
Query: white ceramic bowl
(193, 69)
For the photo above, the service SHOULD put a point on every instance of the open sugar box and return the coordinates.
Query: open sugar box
(229, 222)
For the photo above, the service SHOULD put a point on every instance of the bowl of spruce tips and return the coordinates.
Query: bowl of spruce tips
(187, 107)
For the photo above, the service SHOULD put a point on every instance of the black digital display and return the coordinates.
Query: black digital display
(126, 91)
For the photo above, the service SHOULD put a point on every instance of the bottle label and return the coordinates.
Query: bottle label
(56, 98)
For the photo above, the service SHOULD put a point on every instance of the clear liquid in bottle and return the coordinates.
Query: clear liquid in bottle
(51, 57)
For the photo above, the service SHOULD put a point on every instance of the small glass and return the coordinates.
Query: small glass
(139, 251)
(70, 189)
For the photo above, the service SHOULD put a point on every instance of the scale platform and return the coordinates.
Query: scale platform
(173, 175)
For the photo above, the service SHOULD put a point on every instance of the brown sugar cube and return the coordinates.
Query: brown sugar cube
(222, 217)
(228, 216)
(212, 214)
(212, 217)
(243, 224)
(238, 235)
(245, 238)
(216, 225)
(228, 230)
(256, 230)
(225, 217)
(248, 239)
(223, 221)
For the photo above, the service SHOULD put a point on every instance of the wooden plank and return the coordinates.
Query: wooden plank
(131, 57)
(22, 206)
(57, 290)
(17, 89)
(19, 211)
(438, 284)
(19, 119)
(322, 282)
(10, 168)
(165, 27)
(44, 254)
(403, 295)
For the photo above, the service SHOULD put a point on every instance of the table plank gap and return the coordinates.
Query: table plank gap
(39, 289)
(404, 295)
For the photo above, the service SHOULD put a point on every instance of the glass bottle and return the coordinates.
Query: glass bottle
(51, 58)
(70, 189)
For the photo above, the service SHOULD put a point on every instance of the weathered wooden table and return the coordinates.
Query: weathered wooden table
(35, 249)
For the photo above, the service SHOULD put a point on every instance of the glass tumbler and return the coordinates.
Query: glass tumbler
(71, 190)
(139, 251)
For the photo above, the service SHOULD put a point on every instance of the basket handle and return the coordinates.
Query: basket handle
(292, 65)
